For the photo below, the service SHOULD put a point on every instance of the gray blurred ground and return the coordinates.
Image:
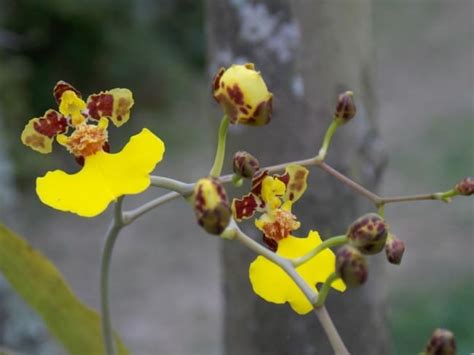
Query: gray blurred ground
(165, 271)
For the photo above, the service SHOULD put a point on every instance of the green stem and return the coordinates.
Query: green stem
(381, 210)
(441, 196)
(220, 151)
(324, 291)
(112, 234)
(328, 243)
(327, 139)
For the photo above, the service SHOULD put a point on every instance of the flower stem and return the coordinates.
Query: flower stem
(220, 151)
(324, 291)
(441, 196)
(349, 182)
(171, 184)
(328, 243)
(331, 331)
(130, 216)
(112, 234)
(327, 139)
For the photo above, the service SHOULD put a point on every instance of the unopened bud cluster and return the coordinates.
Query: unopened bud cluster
(442, 342)
(366, 235)
(245, 164)
(211, 205)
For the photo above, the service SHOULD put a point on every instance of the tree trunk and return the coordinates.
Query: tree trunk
(308, 53)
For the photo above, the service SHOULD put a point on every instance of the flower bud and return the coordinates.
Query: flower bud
(245, 164)
(442, 342)
(394, 249)
(243, 95)
(345, 108)
(351, 266)
(465, 187)
(211, 205)
(368, 233)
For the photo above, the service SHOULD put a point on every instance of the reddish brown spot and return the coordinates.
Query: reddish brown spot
(248, 106)
(61, 87)
(217, 78)
(80, 160)
(244, 110)
(263, 113)
(35, 141)
(228, 106)
(245, 208)
(123, 107)
(100, 105)
(271, 244)
(285, 178)
(257, 182)
(106, 147)
(51, 124)
(199, 201)
(236, 94)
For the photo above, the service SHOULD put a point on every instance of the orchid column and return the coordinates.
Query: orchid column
(310, 51)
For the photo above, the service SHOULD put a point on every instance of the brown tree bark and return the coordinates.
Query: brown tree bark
(308, 52)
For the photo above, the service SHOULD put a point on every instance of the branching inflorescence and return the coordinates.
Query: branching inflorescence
(288, 269)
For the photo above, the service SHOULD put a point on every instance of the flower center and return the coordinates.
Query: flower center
(281, 225)
(87, 140)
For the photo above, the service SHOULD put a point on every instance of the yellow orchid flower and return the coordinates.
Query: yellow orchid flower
(274, 197)
(271, 283)
(104, 176)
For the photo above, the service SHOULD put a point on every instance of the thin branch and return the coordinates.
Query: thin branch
(331, 331)
(441, 196)
(132, 215)
(349, 182)
(112, 234)
(172, 184)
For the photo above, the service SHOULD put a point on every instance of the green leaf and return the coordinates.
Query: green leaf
(42, 286)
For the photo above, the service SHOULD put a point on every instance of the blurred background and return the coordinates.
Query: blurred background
(166, 295)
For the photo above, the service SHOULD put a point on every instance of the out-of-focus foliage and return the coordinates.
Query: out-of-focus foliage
(41, 285)
(151, 47)
(418, 313)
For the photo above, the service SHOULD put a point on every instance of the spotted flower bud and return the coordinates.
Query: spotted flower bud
(245, 164)
(345, 108)
(243, 95)
(442, 342)
(394, 249)
(351, 266)
(465, 187)
(211, 205)
(368, 233)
